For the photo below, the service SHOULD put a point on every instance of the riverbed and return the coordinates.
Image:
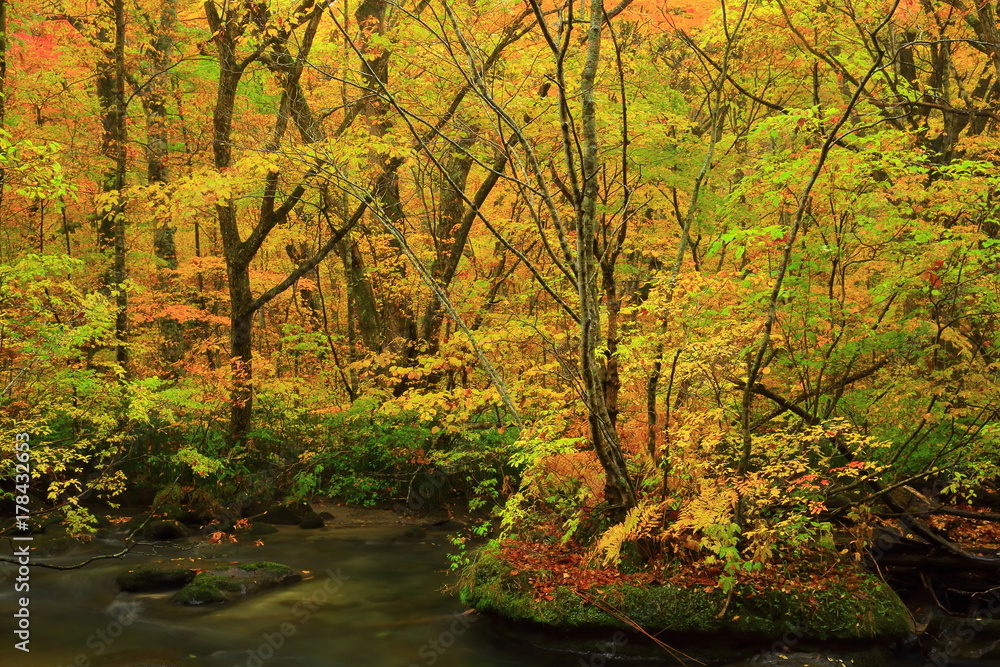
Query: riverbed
(372, 598)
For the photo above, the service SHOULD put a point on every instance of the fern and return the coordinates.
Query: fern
(643, 520)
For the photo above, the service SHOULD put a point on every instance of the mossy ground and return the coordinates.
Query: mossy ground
(860, 609)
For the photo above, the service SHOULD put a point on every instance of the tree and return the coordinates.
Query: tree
(585, 183)
(228, 28)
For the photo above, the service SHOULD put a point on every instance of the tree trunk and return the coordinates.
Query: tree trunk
(153, 93)
(239, 252)
(237, 266)
(450, 235)
(111, 221)
(363, 315)
(384, 320)
(3, 84)
(241, 350)
(598, 376)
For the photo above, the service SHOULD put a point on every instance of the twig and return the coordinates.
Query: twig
(608, 609)
(77, 566)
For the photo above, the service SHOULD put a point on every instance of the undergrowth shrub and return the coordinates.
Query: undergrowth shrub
(365, 455)
(360, 456)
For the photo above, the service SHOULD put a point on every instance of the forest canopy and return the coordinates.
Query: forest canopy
(719, 280)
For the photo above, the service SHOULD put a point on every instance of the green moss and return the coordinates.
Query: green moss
(866, 612)
(277, 569)
(209, 588)
(231, 581)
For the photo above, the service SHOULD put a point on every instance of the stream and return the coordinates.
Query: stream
(373, 600)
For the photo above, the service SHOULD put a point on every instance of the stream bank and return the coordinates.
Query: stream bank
(372, 598)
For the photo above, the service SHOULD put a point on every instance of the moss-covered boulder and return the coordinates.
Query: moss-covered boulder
(312, 521)
(225, 584)
(151, 577)
(863, 610)
(258, 529)
(208, 588)
(202, 582)
(165, 529)
(281, 515)
(292, 514)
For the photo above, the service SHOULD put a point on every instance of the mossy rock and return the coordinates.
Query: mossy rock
(229, 583)
(312, 521)
(188, 516)
(165, 529)
(279, 516)
(868, 613)
(292, 514)
(216, 528)
(257, 529)
(209, 588)
(287, 515)
(156, 577)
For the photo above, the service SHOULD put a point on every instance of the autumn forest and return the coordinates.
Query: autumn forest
(655, 291)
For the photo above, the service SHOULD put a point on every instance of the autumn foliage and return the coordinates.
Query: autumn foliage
(688, 280)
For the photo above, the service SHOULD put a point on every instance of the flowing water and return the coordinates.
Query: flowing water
(373, 600)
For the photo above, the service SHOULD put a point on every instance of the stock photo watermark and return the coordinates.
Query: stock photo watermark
(101, 640)
(432, 650)
(618, 641)
(22, 542)
(964, 633)
(301, 612)
(781, 646)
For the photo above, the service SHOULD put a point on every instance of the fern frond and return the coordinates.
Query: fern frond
(642, 520)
